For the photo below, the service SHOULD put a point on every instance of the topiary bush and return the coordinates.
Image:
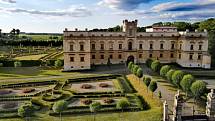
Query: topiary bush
(169, 75)
(198, 88)
(164, 70)
(134, 69)
(130, 65)
(186, 82)
(155, 66)
(149, 62)
(177, 77)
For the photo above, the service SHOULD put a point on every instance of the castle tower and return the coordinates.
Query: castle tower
(130, 28)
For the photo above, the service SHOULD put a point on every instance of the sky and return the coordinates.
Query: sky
(53, 16)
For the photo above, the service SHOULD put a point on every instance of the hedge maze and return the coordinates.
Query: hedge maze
(79, 93)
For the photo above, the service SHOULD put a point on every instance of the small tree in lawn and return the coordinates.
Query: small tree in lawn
(149, 62)
(139, 73)
(59, 107)
(186, 82)
(198, 88)
(58, 63)
(122, 104)
(169, 75)
(94, 107)
(130, 65)
(147, 81)
(153, 86)
(164, 70)
(25, 110)
(155, 66)
(17, 64)
(177, 77)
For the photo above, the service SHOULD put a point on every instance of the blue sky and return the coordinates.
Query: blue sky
(55, 15)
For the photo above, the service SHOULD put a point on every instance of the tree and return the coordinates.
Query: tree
(59, 107)
(164, 70)
(122, 104)
(186, 82)
(58, 63)
(130, 65)
(153, 86)
(149, 62)
(169, 75)
(94, 107)
(134, 69)
(17, 64)
(155, 66)
(25, 110)
(139, 73)
(198, 88)
(159, 94)
(147, 81)
(177, 77)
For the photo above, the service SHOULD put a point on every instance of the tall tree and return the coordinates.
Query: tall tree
(122, 104)
(94, 107)
(59, 107)
(25, 110)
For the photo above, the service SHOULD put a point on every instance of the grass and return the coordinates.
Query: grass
(30, 57)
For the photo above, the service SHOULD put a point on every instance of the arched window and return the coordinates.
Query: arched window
(129, 45)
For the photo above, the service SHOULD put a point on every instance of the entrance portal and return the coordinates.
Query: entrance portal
(130, 59)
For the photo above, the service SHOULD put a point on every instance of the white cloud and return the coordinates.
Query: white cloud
(7, 1)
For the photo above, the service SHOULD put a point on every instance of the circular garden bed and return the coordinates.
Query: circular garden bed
(86, 86)
(108, 100)
(103, 85)
(28, 90)
(86, 101)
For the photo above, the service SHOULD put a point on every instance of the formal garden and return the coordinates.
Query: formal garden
(73, 97)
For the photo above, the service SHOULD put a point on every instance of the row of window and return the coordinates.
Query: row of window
(93, 46)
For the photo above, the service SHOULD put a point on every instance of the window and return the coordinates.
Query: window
(140, 46)
(111, 46)
(173, 46)
(151, 46)
(93, 56)
(81, 47)
(110, 56)
(120, 56)
(161, 55)
(200, 47)
(171, 55)
(71, 48)
(93, 46)
(191, 47)
(180, 46)
(161, 46)
(102, 56)
(130, 46)
(71, 59)
(120, 46)
(82, 59)
(199, 56)
(179, 56)
(130, 32)
(191, 56)
(150, 55)
(140, 55)
(102, 46)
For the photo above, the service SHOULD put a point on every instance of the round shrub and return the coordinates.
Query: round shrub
(17, 64)
(153, 86)
(169, 75)
(108, 100)
(149, 62)
(186, 82)
(147, 81)
(58, 63)
(86, 101)
(177, 77)
(86, 86)
(130, 65)
(134, 69)
(164, 70)
(103, 85)
(198, 88)
(155, 66)
(139, 72)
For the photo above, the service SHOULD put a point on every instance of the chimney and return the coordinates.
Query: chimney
(76, 29)
(66, 29)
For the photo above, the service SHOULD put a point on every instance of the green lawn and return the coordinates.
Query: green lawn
(30, 57)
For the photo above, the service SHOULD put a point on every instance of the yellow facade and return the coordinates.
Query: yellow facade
(85, 48)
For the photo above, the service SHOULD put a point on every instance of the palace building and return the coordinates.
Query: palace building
(82, 49)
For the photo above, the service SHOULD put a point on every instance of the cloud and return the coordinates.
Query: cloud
(177, 6)
(7, 1)
(74, 11)
(127, 5)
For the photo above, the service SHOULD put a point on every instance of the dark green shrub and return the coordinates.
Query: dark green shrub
(155, 66)
(164, 70)
(17, 64)
(153, 86)
(130, 65)
(149, 62)
(134, 69)
(186, 82)
(198, 88)
(177, 77)
(169, 75)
